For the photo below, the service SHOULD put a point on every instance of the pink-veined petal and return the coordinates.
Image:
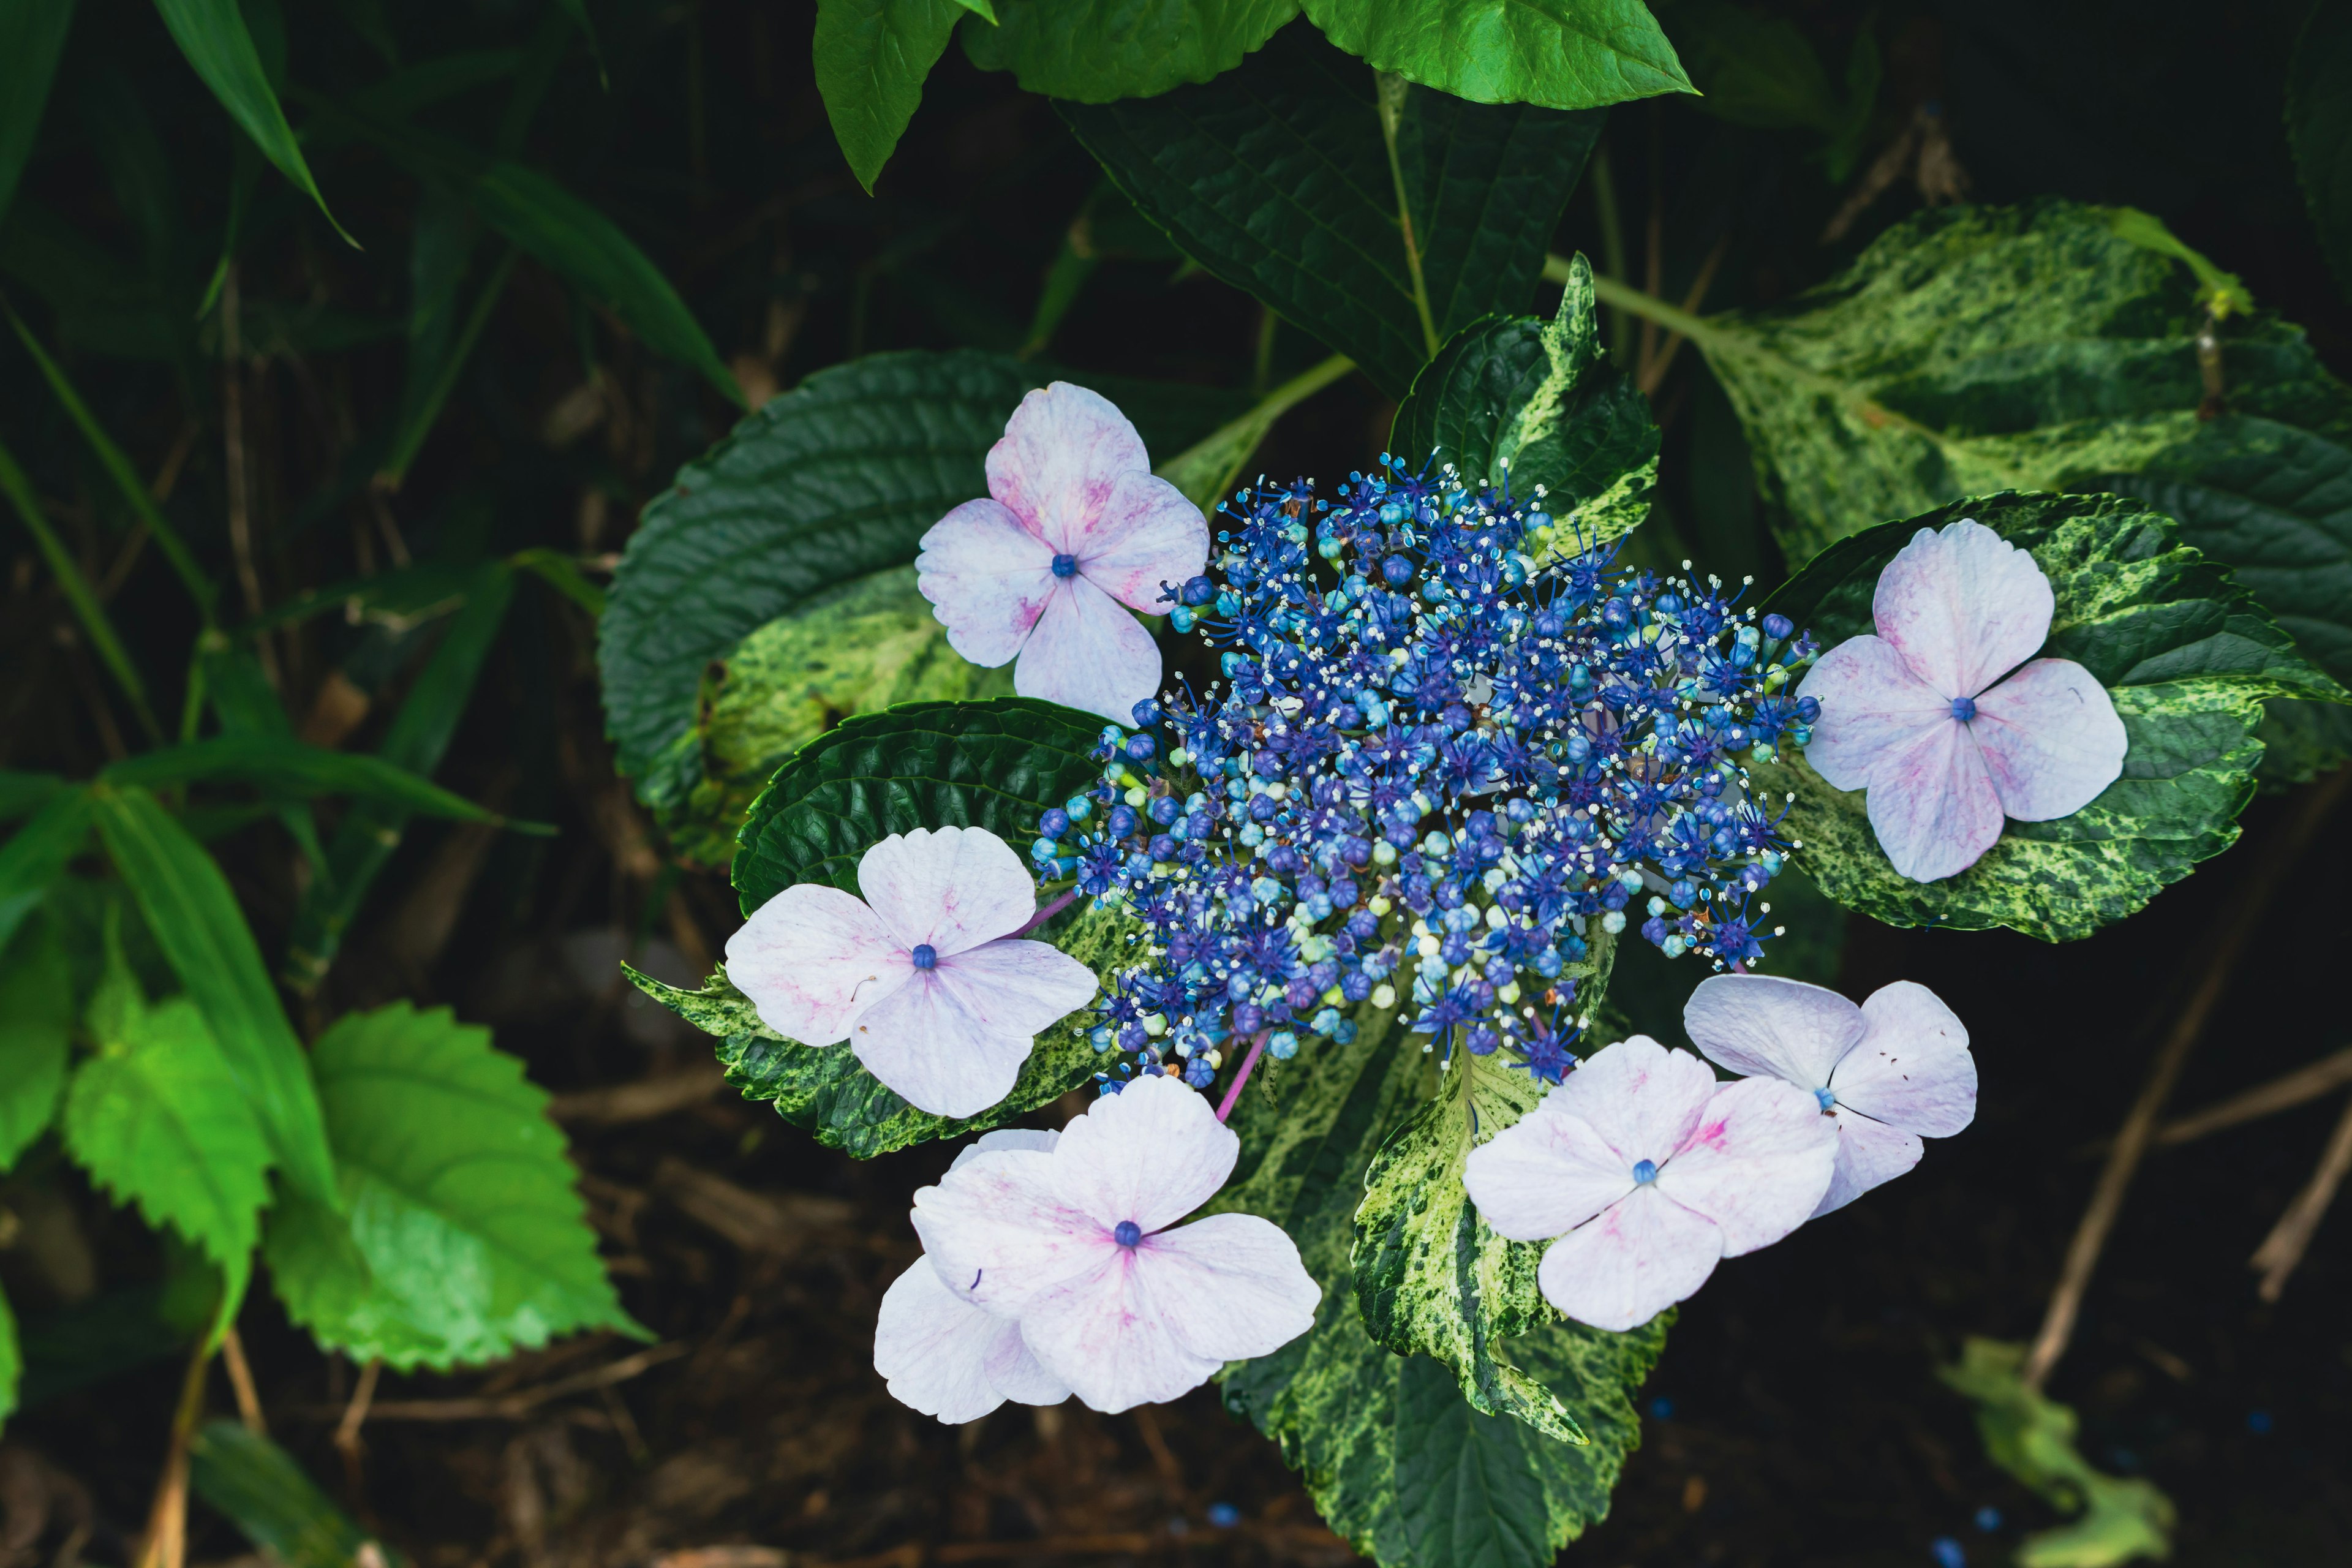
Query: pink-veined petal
(2052, 740)
(1932, 805)
(1630, 1263)
(1233, 1285)
(1758, 1162)
(1022, 986)
(1033, 1139)
(1148, 534)
(934, 1043)
(954, 887)
(998, 1233)
(933, 1349)
(1016, 1369)
(1089, 654)
(1912, 1068)
(1964, 606)
(1643, 1099)
(1872, 705)
(1153, 1153)
(812, 958)
(1545, 1174)
(1112, 1338)
(1063, 451)
(987, 579)
(1761, 1025)
(1868, 1153)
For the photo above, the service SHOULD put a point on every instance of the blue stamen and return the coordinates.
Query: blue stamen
(1063, 565)
(1127, 1233)
(1964, 709)
(925, 955)
(1645, 1172)
(1826, 1100)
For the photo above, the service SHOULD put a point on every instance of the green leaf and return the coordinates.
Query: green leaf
(36, 1017)
(12, 1361)
(464, 1241)
(824, 1090)
(22, 793)
(32, 36)
(2318, 128)
(871, 56)
(2188, 657)
(195, 918)
(1276, 178)
(212, 35)
(36, 855)
(76, 589)
(1093, 51)
(996, 765)
(1533, 402)
(290, 766)
(1562, 53)
(260, 1488)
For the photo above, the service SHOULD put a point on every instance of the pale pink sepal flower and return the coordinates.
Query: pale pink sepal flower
(1648, 1172)
(1073, 526)
(921, 976)
(945, 1357)
(1894, 1070)
(1074, 1245)
(1913, 714)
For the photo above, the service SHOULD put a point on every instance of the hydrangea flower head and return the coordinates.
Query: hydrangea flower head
(1921, 717)
(1074, 525)
(923, 976)
(1888, 1072)
(1648, 1172)
(1075, 1244)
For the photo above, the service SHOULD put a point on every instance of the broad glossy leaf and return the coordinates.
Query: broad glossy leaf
(37, 1016)
(32, 36)
(2187, 657)
(823, 1089)
(1532, 403)
(2318, 127)
(1276, 178)
(259, 1487)
(212, 34)
(871, 56)
(36, 855)
(459, 1201)
(1562, 53)
(996, 765)
(1093, 51)
(293, 766)
(195, 918)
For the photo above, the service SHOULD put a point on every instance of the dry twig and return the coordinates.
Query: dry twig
(2288, 1239)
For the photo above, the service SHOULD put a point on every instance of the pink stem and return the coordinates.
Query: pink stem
(1048, 912)
(1257, 1043)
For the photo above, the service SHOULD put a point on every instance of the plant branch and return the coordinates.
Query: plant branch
(166, 1544)
(1392, 89)
(2284, 1247)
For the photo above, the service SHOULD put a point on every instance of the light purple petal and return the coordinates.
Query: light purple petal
(1089, 654)
(954, 888)
(1758, 1162)
(1232, 1283)
(1642, 1099)
(987, 579)
(1021, 985)
(1064, 450)
(1545, 1174)
(2050, 740)
(1963, 606)
(1912, 1068)
(1631, 1262)
(1153, 1153)
(1932, 805)
(1016, 1369)
(1761, 1025)
(1868, 1153)
(812, 958)
(933, 1349)
(1148, 534)
(938, 1044)
(1035, 1141)
(1872, 705)
(998, 1233)
(1112, 1337)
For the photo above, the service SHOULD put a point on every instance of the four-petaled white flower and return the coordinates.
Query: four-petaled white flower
(1913, 714)
(1073, 526)
(1649, 1172)
(922, 978)
(1889, 1072)
(1073, 1243)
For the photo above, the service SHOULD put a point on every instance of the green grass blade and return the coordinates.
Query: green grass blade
(418, 421)
(35, 855)
(212, 35)
(78, 593)
(283, 764)
(32, 36)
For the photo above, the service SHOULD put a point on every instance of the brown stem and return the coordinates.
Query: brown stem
(1654, 372)
(240, 503)
(240, 1380)
(166, 1541)
(347, 1430)
(2284, 1247)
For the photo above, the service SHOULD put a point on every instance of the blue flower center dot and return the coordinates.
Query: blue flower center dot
(1063, 565)
(1127, 1233)
(1645, 1172)
(1963, 708)
(925, 955)
(1826, 1098)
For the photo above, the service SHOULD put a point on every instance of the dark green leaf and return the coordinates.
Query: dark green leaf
(563, 574)
(471, 1243)
(292, 766)
(1093, 51)
(76, 589)
(212, 35)
(195, 918)
(24, 794)
(2188, 658)
(996, 765)
(438, 344)
(261, 1489)
(1276, 178)
(102, 304)
(871, 56)
(2318, 127)
(247, 704)
(1562, 53)
(398, 599)
(32, 36)
(36, 855)
(36, 1017)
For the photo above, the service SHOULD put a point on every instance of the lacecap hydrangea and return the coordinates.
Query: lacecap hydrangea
(1445, 757)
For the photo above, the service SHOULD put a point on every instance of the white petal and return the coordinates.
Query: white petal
(1021, 985)
(1545, 1174)
(1764, 1024)
(1868, 1153)
(1758, 1163)
(1233, 1284)
(1932, 804)
(1153, 1153)
(1872, 704)
(987, 579)
(1038, 1141)
(2052, 740)
(954, 887)
(812, 959)
(1062, 452)
(1112, 1338)
(1913, 1069)
(933, 1042)
(1630, 1263)
(1089, 654)
(1642, 1099)
(1964, 606)
(1148, 534)
(1016, 1369)
(998, 1233)
(933, 1349)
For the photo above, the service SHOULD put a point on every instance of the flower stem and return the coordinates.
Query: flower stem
(1257, 1043)
(1047, 912)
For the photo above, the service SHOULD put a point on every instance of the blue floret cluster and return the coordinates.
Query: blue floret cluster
(1448, 756)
